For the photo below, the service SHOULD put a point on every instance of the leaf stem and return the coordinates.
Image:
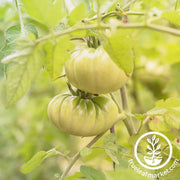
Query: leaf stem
(20, 17)
(128, 121)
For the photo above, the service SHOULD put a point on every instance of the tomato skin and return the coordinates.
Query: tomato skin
(82, 117)
(92, 70)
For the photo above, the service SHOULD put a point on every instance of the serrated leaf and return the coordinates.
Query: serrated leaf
(85, 151)
(12, 34)
(119, 47)
(47, 12)
(153, 112)
(113, 155)
(56, 55)
(91, 173)
(22, 71)
(156, 112)
(36, 160)
(109, 139)
(77, 14)
(168, 103)
(172, 16)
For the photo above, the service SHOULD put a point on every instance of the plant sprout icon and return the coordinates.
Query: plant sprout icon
(154, 151)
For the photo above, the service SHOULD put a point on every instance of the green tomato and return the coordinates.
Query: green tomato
(92, 70)
(82, 117)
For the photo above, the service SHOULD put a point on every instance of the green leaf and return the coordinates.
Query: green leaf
(170, 103)
(46, 11)
(113, 155)
(124, 174)
(72, 177)
(57, 52)
(119, 47)
(91, 173)
(85, 151)
(111, 149)
(77, 14)
(158, 124)
(36, 160)
(33, 163)
(2, 39)
(109, 139)
(172, 16)
(23, 69)
(12, 34)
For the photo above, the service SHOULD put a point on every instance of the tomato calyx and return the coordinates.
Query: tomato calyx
(80, 93)
(93, 42)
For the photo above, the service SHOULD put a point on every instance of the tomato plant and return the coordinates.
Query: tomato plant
(120, 60)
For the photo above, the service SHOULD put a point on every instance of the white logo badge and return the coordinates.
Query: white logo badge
(153, 149)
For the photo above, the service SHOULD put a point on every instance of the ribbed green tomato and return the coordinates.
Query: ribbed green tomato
(92, 70)
(82, 117)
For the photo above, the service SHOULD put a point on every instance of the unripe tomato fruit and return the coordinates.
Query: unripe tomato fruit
(82, 117)
(92, 70)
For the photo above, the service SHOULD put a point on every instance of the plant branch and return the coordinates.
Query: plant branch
(20, 17)
(94, 140)
(128, 121)
(151, 26)
(112, 131)
(114, 99)
(115, 13)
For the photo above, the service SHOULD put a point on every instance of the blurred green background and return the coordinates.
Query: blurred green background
(25, 128)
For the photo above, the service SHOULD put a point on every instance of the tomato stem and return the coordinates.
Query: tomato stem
(125, 104)
(112, 131)
(71, 89)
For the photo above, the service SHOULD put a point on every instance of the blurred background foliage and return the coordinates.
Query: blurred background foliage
(25, 128)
